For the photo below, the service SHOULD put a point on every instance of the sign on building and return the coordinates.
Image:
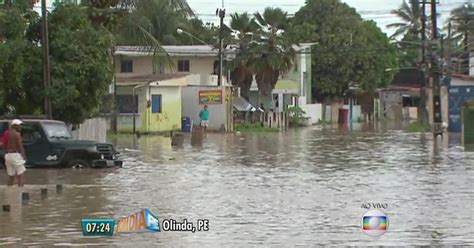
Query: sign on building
(210, 97)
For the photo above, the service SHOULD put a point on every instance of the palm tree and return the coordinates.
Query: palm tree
(273, 52)
(241, 73)
(462, 23)
(159, 18)
(411, 19)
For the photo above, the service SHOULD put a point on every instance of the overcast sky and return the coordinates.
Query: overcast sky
(377, 10)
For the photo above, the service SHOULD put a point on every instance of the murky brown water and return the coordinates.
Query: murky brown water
(304, 187)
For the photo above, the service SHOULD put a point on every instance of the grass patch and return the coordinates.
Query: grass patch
(254, 128)
(417, 127)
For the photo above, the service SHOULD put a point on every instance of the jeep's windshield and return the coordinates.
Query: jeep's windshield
(57, 131)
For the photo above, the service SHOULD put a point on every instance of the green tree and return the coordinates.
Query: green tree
(347, 51)
(273, 53)
(410, 14)
(159, 18)
(462, 20)
(16, 55)
(81, 69)
(241, 72)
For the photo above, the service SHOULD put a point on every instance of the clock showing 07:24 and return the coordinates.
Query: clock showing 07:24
(98, 227)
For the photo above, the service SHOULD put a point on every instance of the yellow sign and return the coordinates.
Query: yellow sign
(210, 97)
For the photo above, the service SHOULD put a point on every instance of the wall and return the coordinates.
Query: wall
(145, 121)
(92, 129)
(141, 66)
(392, 105)
(170, 116)
(144, 65)
(191, 107)
(301, 72)
(313, 112)
(125, 121)
(458, 95)
(197, 65)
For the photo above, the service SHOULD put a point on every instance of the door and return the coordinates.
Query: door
(37, 147)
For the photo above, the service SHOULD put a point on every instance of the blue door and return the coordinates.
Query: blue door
(457, 96)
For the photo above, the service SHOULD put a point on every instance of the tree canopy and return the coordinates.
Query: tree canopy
(347, 51)
(80, 63)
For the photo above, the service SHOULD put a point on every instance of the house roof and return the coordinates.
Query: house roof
(241, 105)
(185, 50)
(143, 79)
(287, 84)
(174, 51)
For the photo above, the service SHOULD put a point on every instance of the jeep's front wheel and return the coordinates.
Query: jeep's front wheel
(79, 164)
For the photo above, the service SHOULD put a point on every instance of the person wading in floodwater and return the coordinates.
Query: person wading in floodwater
(204, 116)
(14, 153)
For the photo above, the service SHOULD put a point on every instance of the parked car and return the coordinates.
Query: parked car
(49, 143)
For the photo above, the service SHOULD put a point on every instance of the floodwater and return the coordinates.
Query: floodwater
(303, 187)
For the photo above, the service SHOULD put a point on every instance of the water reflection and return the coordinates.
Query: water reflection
(303, 187)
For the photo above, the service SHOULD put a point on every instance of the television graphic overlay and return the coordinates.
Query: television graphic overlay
(98, 227)
(143, 221)
(374, 223)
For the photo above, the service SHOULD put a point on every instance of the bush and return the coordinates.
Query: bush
(296, 115)
(417, 127)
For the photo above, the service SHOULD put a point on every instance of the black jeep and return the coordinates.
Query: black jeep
(49, 143)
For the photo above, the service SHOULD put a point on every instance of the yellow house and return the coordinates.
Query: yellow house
(150, 92)
(152, 102)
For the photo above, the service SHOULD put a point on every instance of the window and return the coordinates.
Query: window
(183, 65)
(295, 66)
(57, 131)
(126, 105)
(126, 66)
(30, 133)
(156, 103)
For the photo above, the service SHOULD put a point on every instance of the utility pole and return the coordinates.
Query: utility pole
(437, 118)
(46, 64)
(423, 32)
(422, 111)
(115, 111)
(221, 14)
(448, 50)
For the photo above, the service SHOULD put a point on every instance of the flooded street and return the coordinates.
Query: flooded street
(303, 187)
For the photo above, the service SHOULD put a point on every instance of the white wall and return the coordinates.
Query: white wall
(313, 112)
(92, 129)
(190, 107)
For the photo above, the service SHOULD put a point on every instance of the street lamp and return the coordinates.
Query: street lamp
(180, 31)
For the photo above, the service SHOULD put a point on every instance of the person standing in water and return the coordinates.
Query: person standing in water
(15, 154)
(204, 118)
